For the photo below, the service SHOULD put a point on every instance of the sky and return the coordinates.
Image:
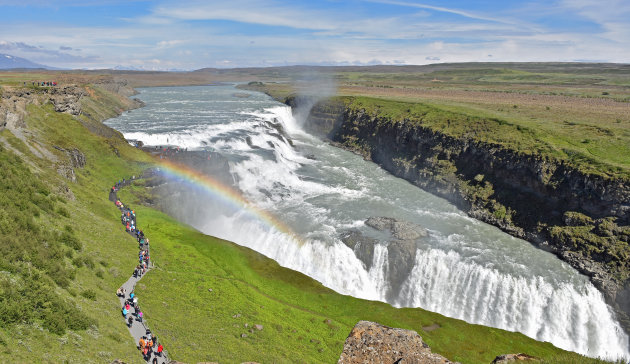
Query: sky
(193, 34)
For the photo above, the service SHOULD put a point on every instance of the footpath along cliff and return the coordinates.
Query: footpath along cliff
(581, 215)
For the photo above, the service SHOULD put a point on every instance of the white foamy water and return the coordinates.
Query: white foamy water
(464, 269)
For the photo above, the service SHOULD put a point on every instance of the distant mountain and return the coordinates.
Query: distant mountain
(8, 62)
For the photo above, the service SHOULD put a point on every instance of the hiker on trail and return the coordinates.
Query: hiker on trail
(140, 316)
(127, 306)
(160, 348)
(130, 321)
(120, 292)
(141, 343)
(146, 353)
(155, 361)
(124, 312)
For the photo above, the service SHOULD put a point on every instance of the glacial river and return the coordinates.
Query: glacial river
(464, 268)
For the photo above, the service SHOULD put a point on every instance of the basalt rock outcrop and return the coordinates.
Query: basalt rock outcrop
(76, 160)
(582, 217)
(370, 342)
(401, 245)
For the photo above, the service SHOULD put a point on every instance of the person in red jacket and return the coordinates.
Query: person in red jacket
(159, 349)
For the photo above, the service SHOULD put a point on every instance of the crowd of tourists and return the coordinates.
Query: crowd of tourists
(43, 83)
(150, 348)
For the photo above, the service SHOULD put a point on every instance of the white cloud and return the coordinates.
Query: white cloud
(245, 11)
(170, 43)
(466, 14)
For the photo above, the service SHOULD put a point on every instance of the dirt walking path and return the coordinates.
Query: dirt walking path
(139, 328)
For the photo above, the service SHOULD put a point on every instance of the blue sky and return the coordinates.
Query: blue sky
(192, 34)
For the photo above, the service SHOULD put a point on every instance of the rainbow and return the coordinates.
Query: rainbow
(224, 193)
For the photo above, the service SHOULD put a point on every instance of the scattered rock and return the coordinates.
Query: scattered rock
(507, 358)
(236, 315)
(370, 342)
(315, 341)
(209, 289)
(431, 327)
(246, 325)
(243, 335)
(258, 327)
(118, 361)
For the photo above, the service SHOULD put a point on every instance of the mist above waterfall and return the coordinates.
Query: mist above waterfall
(462, 268)
(312, 86)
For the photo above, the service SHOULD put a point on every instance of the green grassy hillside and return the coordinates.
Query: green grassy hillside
(205, 290)
(64, 254)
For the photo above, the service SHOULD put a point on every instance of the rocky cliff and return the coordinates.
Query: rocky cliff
(581, 217)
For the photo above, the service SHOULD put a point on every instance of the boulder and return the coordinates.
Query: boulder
(509, 358)
(380, 223)
(370, 342)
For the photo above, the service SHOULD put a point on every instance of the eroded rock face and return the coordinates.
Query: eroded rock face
(362, 246)
(77, 160)
(401, 248)
(370, 342)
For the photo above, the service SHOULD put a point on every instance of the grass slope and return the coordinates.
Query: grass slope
(304, 322)
(63, 255)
